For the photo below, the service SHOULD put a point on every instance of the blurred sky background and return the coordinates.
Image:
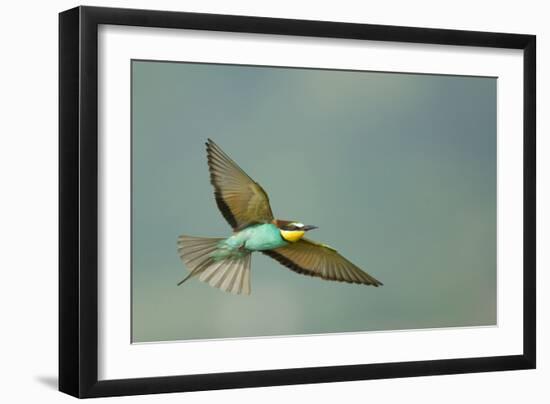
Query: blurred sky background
(397, 170)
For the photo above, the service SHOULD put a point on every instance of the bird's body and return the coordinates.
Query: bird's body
(257, 237)
(225, 262)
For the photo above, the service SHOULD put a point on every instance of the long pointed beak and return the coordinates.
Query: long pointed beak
(310, 227)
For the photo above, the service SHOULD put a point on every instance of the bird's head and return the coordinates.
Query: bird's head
(292, 231)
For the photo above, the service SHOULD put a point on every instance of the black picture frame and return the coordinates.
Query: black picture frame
(78, 201)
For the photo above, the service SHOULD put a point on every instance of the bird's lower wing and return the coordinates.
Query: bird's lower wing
(310, 258)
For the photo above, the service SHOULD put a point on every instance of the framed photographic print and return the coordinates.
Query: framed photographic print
(250, 201)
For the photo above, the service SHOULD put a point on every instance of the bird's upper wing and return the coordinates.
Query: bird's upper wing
(241, 200)
(310, 258)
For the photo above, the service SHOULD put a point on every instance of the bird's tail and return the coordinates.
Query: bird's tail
(202, 257)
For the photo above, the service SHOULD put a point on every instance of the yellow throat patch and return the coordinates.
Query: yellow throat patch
(292, 235)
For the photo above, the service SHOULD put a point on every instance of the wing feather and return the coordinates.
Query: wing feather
(310, 258)
(241, 200)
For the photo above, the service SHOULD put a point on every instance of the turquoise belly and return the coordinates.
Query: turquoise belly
(257, 238)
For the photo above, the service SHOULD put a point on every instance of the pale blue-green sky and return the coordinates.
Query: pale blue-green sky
(397, 170)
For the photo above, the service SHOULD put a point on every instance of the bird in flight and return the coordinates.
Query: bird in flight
(224, 263)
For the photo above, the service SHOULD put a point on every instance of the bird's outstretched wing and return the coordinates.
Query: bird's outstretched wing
(241, 200)
(310, 258)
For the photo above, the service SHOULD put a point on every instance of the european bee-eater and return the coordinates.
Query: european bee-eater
(225, 262)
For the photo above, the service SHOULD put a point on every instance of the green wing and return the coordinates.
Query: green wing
(310, 258)
(241, 200)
